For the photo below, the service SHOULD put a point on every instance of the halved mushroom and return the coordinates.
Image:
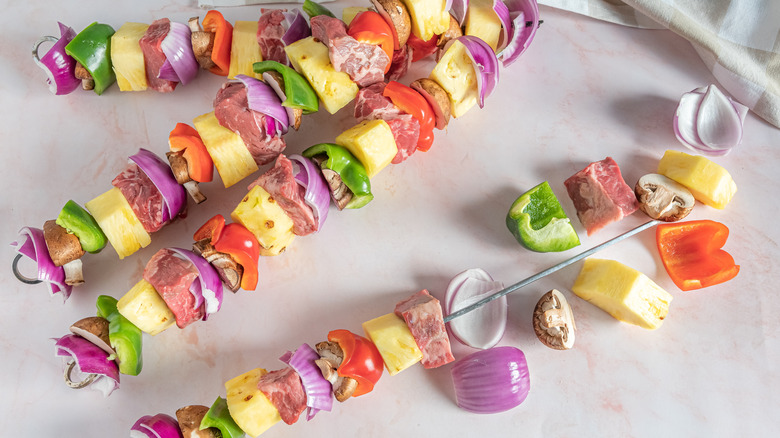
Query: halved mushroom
(202, 43)
(331, 351)
(344, 388)
(554, 321)
(437, 97)
(663, 198)
(228, 269)
(328, 369)
(63, 246)
(339, 192)
(189, 418)
(87, 83)
(180, 169)
(395, 11)
(95, 330)
(74, 272)
(452, 32)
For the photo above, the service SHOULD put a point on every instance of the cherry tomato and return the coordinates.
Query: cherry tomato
(412, 102)
(369, 27)
(362, 360)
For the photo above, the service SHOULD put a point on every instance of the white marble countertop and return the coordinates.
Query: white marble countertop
(585, 90)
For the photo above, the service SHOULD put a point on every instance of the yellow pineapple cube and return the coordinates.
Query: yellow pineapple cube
(483, 22)
(249, 407)
(229, 153)
(127, 58)
(709, 183)
(623, 292)
(118, 221)
(394, 341)
(264, 218)
(428, 17)
(310, 58)
(145, 308)
(371, 142)
(349, 13)
(245, 50)
(455, 73)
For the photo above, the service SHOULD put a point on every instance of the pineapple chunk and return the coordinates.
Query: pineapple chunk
(349, 13)
(118, 221)
(227, 150)
(455, 73)
(145, 308)
(708, 182)
(264, 218)
(310, 58)
(394, 341)
(249, 407)
(244, 51)
(482, 21)
(428, 18)
(623, 292)
(127, 58)
(371, 142)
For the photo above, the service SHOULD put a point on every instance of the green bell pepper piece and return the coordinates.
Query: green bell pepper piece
(351, 170)
(296, 88)
(92, 49)
(79, 222)
(539, 223)
(124, 336)
(219, 416)
(313, 9)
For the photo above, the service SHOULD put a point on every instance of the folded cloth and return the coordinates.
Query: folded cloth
(738, 40)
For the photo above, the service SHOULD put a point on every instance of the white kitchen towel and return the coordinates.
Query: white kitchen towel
(738, 40)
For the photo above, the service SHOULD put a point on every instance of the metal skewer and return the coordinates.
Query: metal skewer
(550, 270)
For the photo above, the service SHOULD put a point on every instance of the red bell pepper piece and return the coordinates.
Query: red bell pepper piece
(223, 39)
(362, 360)
(412, 102)
(692, 255)
(211, 230)
(369, 27)
(236, 240)
(200, 166)
(420, 48)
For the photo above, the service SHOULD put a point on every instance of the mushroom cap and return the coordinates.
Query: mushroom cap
(189, 418)
(437, 97)
(553, 321)
(662, 198)
(399, 16)
(95, 330)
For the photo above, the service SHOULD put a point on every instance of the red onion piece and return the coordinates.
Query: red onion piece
(484, 327)
(319, 393)
(263, 99)
(525, 22)
(485, 65)
(208, 287)
(160, 173)
(502, 11)
(32, 244)
(317, 195)
(491, 381)
(158, 426)
(89, 359)
(297, 28)
(177, 47)
(709, 122)
(458, 10)
(59, 66)
(168, 73)
(277, 87)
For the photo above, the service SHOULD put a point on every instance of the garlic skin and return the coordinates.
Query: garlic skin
(709, 122)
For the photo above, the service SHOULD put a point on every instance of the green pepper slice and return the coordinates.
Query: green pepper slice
(92, 49)
(296, 88)
(313, 9)
(80, 223)
(349, 168)
(219, 416)
(124, 336)
(538, 221)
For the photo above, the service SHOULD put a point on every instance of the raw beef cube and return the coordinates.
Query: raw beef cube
(423, 315)
(172, 277)
(285, 391)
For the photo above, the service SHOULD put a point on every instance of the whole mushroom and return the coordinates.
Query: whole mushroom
(662, 198)
(554, 321)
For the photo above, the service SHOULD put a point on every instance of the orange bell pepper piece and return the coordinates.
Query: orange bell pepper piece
(199, 163)
(369, 27)
(223, 38)
(692, 255)
(211, 230)
(242, 245)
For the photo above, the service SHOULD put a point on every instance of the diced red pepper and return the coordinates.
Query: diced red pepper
(242, 245)
(692, 255)
(223, 39)
(185, 138)
(211, 230)
(412, 102)
(369, 27)
(362, 361)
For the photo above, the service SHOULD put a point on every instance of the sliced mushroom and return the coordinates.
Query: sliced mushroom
(663, 198)
(189, 418)
(180, 169)
(554, 321)
(339, 192)
(344, 388)
(330, 350)
(452, 32)
(228, 269)
(74, 273)
(396, 12)
(95, 330)
(328, 369)
(63, 247)
(202, 44)
(276, 81)
(437, 97)
(87, 83)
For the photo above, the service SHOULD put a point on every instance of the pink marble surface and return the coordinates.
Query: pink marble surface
(585, 90)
